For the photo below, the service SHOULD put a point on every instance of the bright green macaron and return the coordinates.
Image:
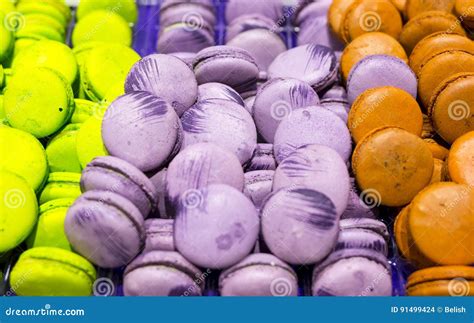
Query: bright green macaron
(61, 151)
(48, 53)
(6, 6)
(18, 210)
(89, 141)
(103, 26)
(49, 230)
(7, 40)
(3, 118)
(61, 185)
(105, 67)
(23, 155)
(41, 19)
(40, 31)
(49, 271)
(39, 101)
(86, 109)
(125, 8)
(42, 7)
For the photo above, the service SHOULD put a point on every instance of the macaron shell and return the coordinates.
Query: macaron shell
(89, 142)
(125, 8)
(336, 14)
(159, 235)
(361, 239)
(61, 152)
(415, 7)
(461, 160)
(258, 186)
(438, 171)
(211, 91)
(438, 151)
(61, 185)
(262, 158)
(270, 8)
(441, 273)
(440, 288)
(181, 37)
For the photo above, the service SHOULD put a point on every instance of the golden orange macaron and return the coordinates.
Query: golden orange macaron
(441, 221)
(415, 7)
(427, 23)
(438, 151)
(437, 171)
(465, 10)
(461, 160)
(400, 4)
(452, 107)
(437, 43)
(440, 67)
(442, 281)
(394, 163)
(428, 130)
(385, 106)
(370, 44)
(336, 13)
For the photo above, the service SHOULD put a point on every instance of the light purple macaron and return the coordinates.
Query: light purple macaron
(142, 129)
(356, 208)
(211, 91)
(222, 122)
(186, 57)
(300, 225)
(337, 92)
(312, 125)
(164, 76)
(198, 166)
(380, 70)
(353, 272)
(162, 273)
(259, 275)
(249, 103)
(193, 13)
(159, 235)
(228, 65)
(317, 167)
(249, 22)
(361, 239)
(258, 186)
(185, 37)
(216, 227)
(105, 228)
(369, 224)
(314, 64)
(272, 9)
(339, 107)
(159, 181)
(316, 30)
(113, 174)
(276, 100)
(262, 158)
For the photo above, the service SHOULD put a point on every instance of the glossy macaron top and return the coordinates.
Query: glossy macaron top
(314, 64)
(461, 160)
(272, 9)
(248, 22)
(211, 91)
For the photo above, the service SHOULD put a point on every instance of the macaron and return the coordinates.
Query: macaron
(48, 271)
(451, 109)
(259, 275)
(221, 63)
(105, 228)
(89, 142)
(463, 8)
(385, 106)
(61, 151)
(186, 57)
(293, 219)
(248, 22)
(162, 273)
(49, 230)
(442, 281)
(262, 158)
(164, 76)
(229, 219)
(272, 9)
(461, 160)
(192, 13)
(372, 225)
(222, 122)
(159, 181)
(415, 7)
(359, 206)
(211, 91)
(8, 40)
(258, 186)
(336, 93)
(277, 99)
(118, 176)
(39, 101)
(361, 239)
(102, 25)
(392, 165)
(186, 36)
(438, 171)
(390, 71)
(438, 151)
(374, 43)
(319, 168)
(61, 185)
(23, 155)
(353, 272)
(313, 64)
(19, 210)
(142, 129)
(312, 125)
(198, 166)
(159, 235)
(338, 107)
(125, 8)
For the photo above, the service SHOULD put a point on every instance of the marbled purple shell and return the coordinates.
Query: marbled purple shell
(317, 31)
(361, 239)
(210, 91)
(142, 129)
(183, 38)
(300, 225)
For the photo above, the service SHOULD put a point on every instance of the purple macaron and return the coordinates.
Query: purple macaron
(193, 13)
(159, 235)
(339, 107)
(337, 92)
(258, 186)
(105, 228)
(186, 57)
(185, 37)
(380, 70)
(312, 125)
(317, 167)
(314, 64)
(198, 166)
(159, 181)
(272, 9)
(259, 275)
(262, 158)
(369, 224)
(211, 91)
(276, 100)
(228, 65)
(216, 227)
(142, 129)
(300, 225)
(116, 175)
(361, 239)
(164, 76)
(249, 22)
(162, 273)
(222, 122)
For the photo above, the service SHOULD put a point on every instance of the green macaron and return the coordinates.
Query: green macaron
(3, 118)
(48, 53)
(40, 31)
(125, 8)
(38, 100)
(23, 155)
(61, 185)
(6, 6)
(61, 151)
(7, 40)
(18, 210)
(42, 7)
(84, 110)
(89, 142)
(49, 271)
(41, 19)
(103, 26)
(49, 230)
(105, 68)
